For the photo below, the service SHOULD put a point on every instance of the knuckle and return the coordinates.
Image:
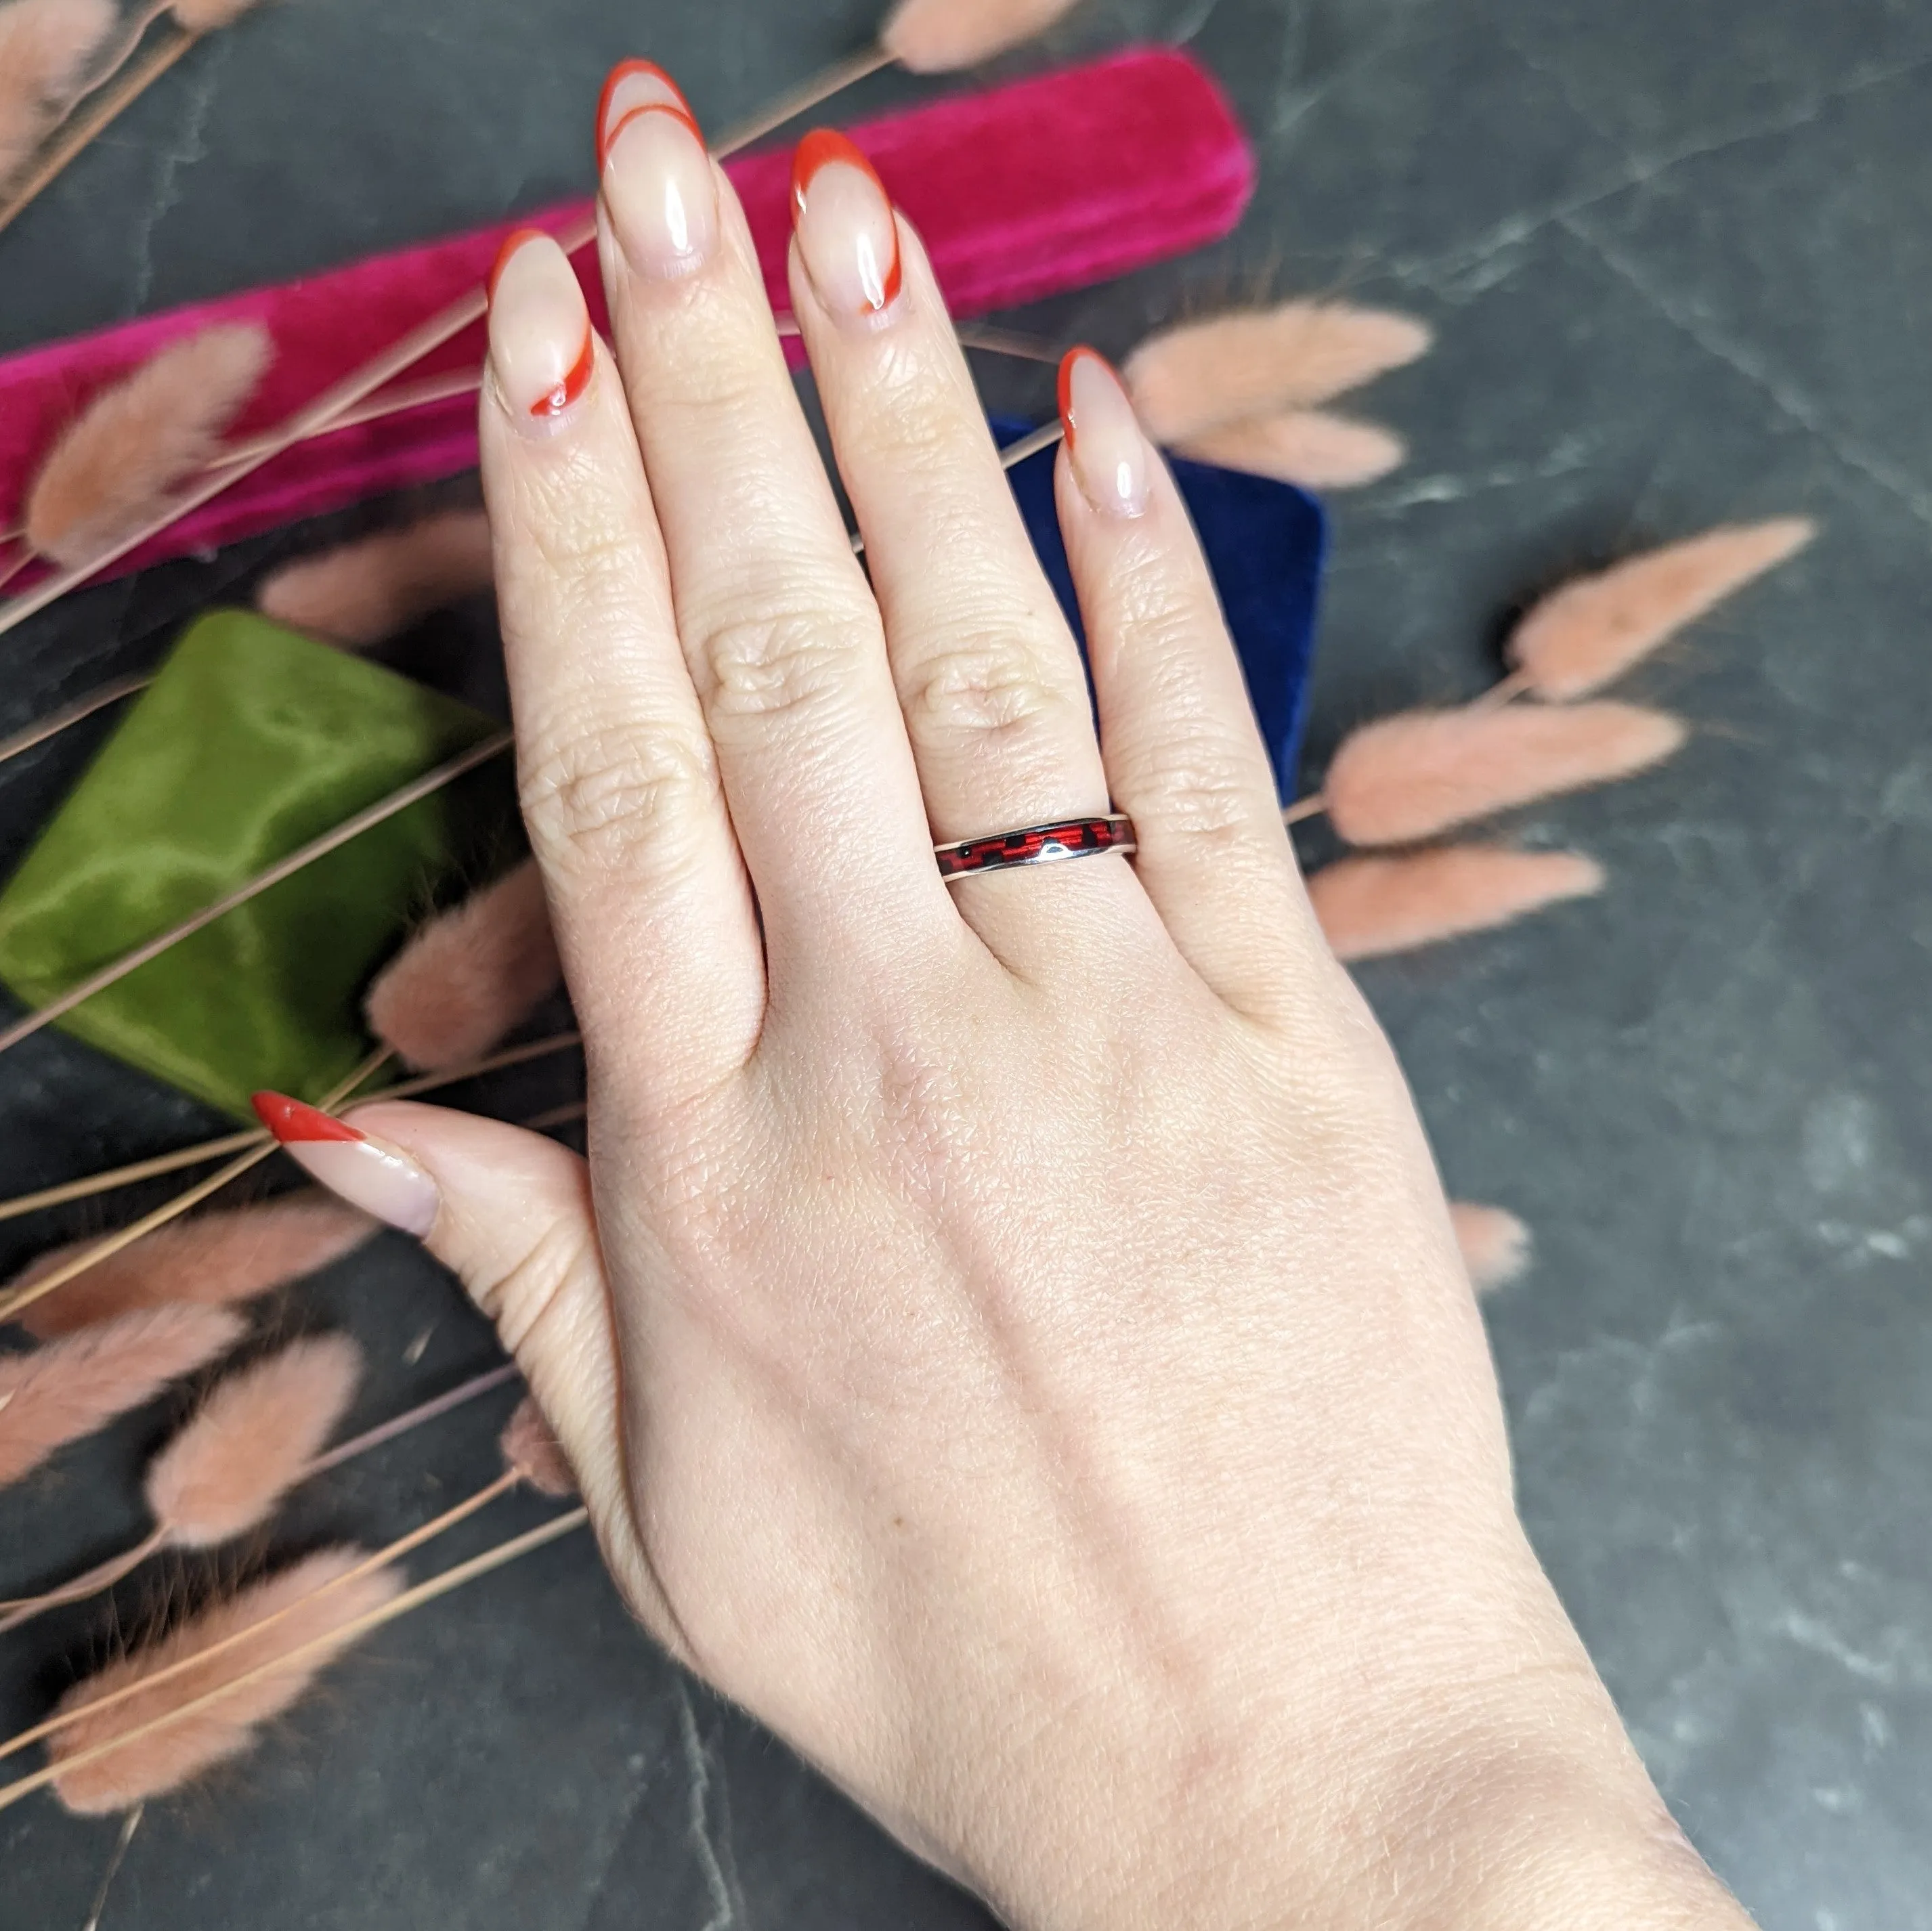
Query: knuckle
(979, 684)
(533, 1287)
(604, 793)
(763, 666)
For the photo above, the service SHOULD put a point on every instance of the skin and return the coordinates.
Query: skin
(1009, 1337)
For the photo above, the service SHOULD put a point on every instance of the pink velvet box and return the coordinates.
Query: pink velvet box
(1049, 185)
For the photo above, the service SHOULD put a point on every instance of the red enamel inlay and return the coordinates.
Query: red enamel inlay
(292, 1121)
(512, 242)
(819, 148)
(606, 133)
(573, 385)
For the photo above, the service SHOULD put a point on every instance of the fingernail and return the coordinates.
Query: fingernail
(843, 218)
(541, 355)
(658, 183)
(1104, 440)
(365, 1172)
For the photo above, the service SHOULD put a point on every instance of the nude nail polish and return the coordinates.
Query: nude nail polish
(658, 186)
(365, 1172)
(542, 355)
(1105, 443)
(847, 234)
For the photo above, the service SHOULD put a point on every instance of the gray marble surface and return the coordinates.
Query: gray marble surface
(1679, 261)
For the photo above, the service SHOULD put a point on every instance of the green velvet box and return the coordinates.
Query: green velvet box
(250, 742)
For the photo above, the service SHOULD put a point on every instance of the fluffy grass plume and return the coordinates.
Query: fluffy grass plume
(63, 1391)
(1369, 906)
(364, 592)
(46, 48)
(141, 438)
(1202, 375)
(533, 1450)
(1589, 632)
(212, 1258)
(248, 1442)
(940, 36)
(1496, 1246)
(151, 1766)
(1306, 447)
(1411, 776)
(469, 976)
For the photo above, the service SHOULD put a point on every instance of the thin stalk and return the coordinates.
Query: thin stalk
(38, 733)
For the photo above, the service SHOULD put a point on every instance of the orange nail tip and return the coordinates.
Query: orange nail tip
(512, 242)
(294, 1121)
(819, 148)
(555, 401)
(628, 70)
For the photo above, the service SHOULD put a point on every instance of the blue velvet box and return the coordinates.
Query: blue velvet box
(1265, 543)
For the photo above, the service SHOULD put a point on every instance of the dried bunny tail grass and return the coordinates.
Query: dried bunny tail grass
(1369, 906)
(115, 464)
(1582, 636)
(1496, 1246)
(1306, 447)
(250, 1441)
(45, 49)
(531, 1450)
(212, 1259)
(365, 591)
(470, 976)
(1200, 376)
(152, 1765)
(940, 36)
(65, 1390)
(1410, 776)
(207, 16)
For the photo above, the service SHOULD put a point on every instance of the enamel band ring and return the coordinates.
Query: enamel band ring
(1037, 844)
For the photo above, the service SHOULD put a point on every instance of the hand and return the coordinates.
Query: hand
(1009, 1336)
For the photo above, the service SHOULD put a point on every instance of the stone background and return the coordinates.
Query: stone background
(1678, 258)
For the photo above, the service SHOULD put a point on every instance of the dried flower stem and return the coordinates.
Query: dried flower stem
(82, 707)
(410, 1598)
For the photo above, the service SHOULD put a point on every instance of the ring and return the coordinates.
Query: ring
(1037, 844)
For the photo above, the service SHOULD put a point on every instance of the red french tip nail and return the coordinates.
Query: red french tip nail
(819, 148)
(608, 133)
(292, 1121)
(1066, 387)
(512, 242)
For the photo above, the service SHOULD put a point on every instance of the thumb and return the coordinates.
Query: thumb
(509, 1211)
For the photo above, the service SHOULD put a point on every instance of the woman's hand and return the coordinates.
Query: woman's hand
(1009, 1336)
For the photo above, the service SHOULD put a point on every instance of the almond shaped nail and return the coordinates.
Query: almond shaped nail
(365, 1172)
(542, 354)
(658, 185)
(847, 234)
(1104, 442)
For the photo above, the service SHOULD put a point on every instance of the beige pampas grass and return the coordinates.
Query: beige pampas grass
(116, 464)
(1591, 632)
(1202, 375)
(940, 36)
(1307, 447)
(1412, 776)
(45, 49)
(212, 1258)
(468, 976)
(532, 1451)
(1495, 1245)
(249, 1443)
(364, 592)
(65, 1390)
(1370, 906)
(153, 1765)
